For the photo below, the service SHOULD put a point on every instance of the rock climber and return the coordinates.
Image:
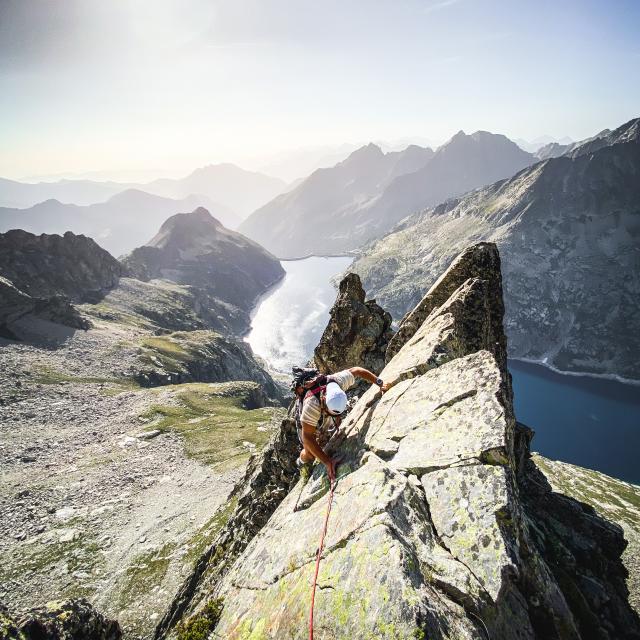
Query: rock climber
(320, 401)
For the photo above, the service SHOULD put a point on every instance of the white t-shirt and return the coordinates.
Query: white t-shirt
(311, 409)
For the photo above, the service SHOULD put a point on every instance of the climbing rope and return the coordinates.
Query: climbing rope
(318, 556)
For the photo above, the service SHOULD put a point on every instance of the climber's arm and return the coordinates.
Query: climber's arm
(311, 445)
(365, 374)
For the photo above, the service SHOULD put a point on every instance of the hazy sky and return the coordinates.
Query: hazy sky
(173, 84)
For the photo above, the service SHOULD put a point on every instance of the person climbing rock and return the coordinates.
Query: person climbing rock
(320, 402)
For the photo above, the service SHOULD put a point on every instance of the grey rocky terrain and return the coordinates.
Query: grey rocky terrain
(120, 442)
(443, 525)
(568, 230)
(110, 490)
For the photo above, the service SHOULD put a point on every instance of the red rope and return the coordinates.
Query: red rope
(320, 549)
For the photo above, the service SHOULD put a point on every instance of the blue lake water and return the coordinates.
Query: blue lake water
(590, 422)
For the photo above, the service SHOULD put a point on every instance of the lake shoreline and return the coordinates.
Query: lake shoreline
(611, 377)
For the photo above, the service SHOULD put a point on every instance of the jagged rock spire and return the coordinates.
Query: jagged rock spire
(358, 332)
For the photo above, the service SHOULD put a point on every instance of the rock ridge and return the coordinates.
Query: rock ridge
(440, 526)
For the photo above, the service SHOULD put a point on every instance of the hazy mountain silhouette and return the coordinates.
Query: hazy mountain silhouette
(340, 209)
(120, 224)
(239, 190)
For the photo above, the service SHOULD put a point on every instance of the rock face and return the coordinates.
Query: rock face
(342, 208)
(568, 231)
(69, 620)
(43, 275)
(195, 249)
(357, 334)
(200, 356)
(440, 526)
(47, 265)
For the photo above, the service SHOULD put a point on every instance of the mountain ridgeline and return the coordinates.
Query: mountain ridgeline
(119, 225)
(442, 525)
(225, 184)
(568, 230)
(339, 209)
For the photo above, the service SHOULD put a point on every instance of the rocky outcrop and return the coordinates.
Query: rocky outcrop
(68, 620)
(568, 233)
(43, 275)
(480, 260)
(47, 265)
(195, 249)
(200, 356)
(439, 526)
(357, 334)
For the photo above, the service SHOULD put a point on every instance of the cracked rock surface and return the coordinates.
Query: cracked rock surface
(442, 527)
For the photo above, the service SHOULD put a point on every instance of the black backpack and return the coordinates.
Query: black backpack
(306, 381)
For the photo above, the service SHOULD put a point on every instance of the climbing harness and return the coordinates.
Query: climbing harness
(319, 555)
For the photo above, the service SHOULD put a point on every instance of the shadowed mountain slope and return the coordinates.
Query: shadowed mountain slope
(568, 231)
(195, 249)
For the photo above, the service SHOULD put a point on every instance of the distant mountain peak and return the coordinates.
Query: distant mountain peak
(197, 222)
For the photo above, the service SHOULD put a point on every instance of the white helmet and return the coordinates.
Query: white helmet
(335, 399)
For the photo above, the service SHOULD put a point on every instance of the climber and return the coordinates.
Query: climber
(320, 402)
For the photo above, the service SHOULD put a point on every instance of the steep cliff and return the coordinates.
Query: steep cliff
(441, 526)
(568, 230)
(42, 275)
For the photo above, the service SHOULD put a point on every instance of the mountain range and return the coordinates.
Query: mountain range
(120, 224)
(367, 194)
(568, 229)
(226, 184)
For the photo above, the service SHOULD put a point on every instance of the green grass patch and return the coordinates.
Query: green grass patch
(47, 375)
(145, 572)
(207, 534)
(215, 422)
(200, 625)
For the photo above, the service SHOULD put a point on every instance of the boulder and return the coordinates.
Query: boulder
(68, 620)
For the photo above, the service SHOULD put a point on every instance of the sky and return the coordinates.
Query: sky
(169, 85)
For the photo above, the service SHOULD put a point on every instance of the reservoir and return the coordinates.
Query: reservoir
(591, 422)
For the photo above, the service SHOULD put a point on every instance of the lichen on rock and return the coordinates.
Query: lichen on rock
(441, 527)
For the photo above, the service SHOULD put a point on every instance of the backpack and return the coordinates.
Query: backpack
(313, 383)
